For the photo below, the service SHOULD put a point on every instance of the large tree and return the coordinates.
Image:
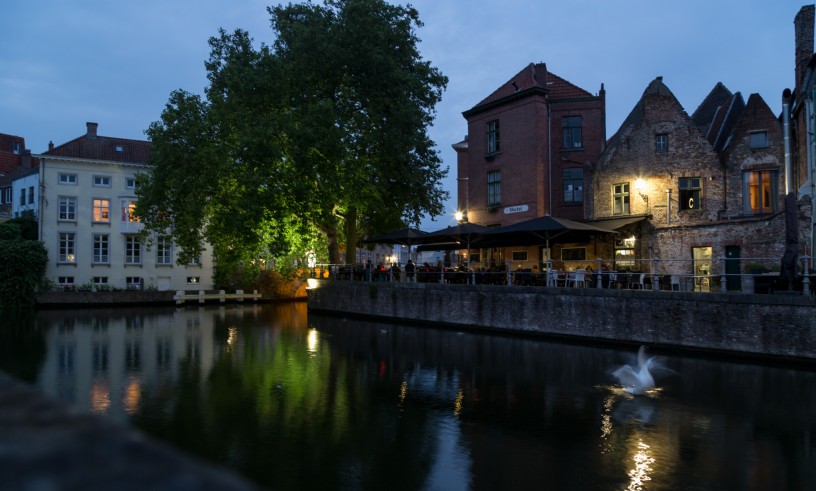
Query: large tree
(310, 140)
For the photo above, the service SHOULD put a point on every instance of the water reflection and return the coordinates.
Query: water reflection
(313, 402)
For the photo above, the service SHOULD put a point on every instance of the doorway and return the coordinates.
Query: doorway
(702, 268)
(732, 268)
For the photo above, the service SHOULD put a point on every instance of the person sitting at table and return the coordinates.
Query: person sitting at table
(410, 268)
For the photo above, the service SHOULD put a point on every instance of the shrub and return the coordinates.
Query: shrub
(21, 271)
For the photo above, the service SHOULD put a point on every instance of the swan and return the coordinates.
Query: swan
(639, 379)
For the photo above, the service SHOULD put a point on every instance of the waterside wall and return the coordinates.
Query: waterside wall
(779, 326)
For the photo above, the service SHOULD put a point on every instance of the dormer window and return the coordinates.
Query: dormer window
(16, 148)
(120, 149)
(758, 139)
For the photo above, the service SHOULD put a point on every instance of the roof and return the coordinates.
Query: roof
(532, 79)
(705, 112)
(725, 119)
(94, 147)
(616, 223)
(11, 162)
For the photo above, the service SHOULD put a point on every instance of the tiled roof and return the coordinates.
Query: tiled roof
(93, 147)
(722, 125)
(534, 77)
(10, 162)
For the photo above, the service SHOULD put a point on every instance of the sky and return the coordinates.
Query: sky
(66, 62)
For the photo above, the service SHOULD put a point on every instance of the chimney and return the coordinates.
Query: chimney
(50, 146)
(803, 27)
(92, 129)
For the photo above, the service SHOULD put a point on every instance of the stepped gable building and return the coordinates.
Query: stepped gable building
(88, 193)
(15, 161)
(527, 149)
(702, 187)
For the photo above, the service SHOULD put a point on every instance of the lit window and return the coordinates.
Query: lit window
(102, 181)
(573, 137)
(662, 143)
(129, 211)
(690, 193)
(573, 185)
(760, 191)
(758, 139)
(67, 208)
(620, 199)
(67, 179)
(493, 188)
(101, 210)
(493, 144)
(193, 280)
(67, 252)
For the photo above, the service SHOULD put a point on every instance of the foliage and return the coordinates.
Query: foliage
(28, 226)
(21, 272)
(10, 231)
(298, 143)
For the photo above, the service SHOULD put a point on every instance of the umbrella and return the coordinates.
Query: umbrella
(461, 233)
(545, 228)
(406, 237)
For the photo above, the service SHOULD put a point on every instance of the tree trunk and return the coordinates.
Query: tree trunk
(334, 246)
(351, 235)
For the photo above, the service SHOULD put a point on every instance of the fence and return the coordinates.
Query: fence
(747, 275)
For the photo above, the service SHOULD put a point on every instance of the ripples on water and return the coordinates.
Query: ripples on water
(312, 402)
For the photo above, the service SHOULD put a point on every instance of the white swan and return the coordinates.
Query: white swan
(637, 380)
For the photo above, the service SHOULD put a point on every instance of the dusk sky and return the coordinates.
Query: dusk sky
(115, 63)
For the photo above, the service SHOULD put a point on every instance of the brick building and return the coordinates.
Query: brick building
(15, 162)
(528, 148)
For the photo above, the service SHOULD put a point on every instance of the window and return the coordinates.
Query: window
(572, 132)
(130, 182)
(129, 211)
(67, 208)
(133, 250)
(100, 280)
(758, 139)
(573, 254)
(493, 188)
(100, 248)
(493, 145)
(16, 148)
(193, 280)
(573, 185)
(624, 258)
(760, 191)
(101, 181)
(195, 261)
(134, 283)
(662, 143)
(519, 255)
(620, 199)
(65, 281)
(22, 197)
(690, 193)
(31, 195)
(66, 248)
(120, 149)
(164, 250)
(67, 179)
(7, 195)
(101, 210)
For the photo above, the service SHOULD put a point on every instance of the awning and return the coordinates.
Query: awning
(615, 223)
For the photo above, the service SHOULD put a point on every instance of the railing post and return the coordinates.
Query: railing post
(806, 277)
(598, 274)
(509, 276)
(472, 276)
(723, 286)
(655, 276)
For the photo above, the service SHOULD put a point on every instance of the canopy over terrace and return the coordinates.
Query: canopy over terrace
(407, 237)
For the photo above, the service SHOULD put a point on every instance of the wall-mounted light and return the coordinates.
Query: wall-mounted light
(459, 216)
(640, 187)
(630, 242)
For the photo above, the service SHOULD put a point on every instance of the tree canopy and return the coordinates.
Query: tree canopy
(299, 145)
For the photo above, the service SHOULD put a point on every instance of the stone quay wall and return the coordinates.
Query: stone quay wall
(777, 326)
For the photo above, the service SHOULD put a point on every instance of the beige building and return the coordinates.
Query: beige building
(87, 193)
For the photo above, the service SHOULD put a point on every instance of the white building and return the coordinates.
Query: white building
(87, 193)
(25, 194)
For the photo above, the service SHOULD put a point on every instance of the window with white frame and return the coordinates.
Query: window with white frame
(134, 282)
(494, 188)
(100, 280)
(67, 208)
(130, 182)
(65, 281)
(129, 211)
(67, 178)
(620, 199)
(101, 210)
(101, 251)
(133, 250)
(195, 261)
(67, 251)
(493, 144)
(102, 181)
(164, 250)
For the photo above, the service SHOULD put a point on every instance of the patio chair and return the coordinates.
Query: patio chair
(636, 281)
(613, 280)
(575, 277)
(552, 277)
(675, 282)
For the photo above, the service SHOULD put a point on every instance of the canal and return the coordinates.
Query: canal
(299, 402)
